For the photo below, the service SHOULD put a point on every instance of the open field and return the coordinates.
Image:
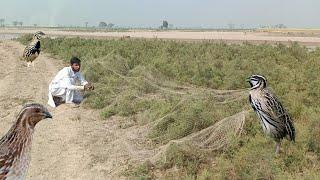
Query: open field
(168, 93)
(307, 37)
(155, 103)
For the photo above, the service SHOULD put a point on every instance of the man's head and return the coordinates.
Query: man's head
(75, 64)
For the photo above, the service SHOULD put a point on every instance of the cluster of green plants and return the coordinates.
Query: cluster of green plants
(172, 84)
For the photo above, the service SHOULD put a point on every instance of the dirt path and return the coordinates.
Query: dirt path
(76, 144)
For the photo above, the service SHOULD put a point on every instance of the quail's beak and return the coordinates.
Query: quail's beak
(47, 115)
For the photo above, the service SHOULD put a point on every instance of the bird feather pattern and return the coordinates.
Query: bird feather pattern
(32, 50)
(15, 146)
(275, 119)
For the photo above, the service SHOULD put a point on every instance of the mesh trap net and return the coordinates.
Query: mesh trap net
(217, 136)
(213, 138)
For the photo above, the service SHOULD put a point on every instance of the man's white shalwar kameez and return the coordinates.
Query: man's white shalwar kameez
(64, 85)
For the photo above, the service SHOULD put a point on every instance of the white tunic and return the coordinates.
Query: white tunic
(64, 85)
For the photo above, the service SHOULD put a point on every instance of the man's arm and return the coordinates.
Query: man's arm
(67, 83)
(81, 79)
(73, 87)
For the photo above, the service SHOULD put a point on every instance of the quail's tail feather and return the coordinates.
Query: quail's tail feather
(291, 131)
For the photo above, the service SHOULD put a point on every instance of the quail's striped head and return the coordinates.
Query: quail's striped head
(38, 35)
(16, 144)
(257, 81)
(32, 113)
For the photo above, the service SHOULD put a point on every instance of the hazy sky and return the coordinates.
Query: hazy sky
(150, 13)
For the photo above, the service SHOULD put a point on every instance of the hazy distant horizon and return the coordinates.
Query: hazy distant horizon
(151, 13)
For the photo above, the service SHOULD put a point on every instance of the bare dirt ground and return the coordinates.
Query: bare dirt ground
(306, 37)
(76, 143)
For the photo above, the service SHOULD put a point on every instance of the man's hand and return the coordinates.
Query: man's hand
(88, 87)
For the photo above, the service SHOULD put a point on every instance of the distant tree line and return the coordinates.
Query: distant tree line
(14, 23)
(278, 26)
(2, 22)
(102, 24)
(166, 25)
(105, 25)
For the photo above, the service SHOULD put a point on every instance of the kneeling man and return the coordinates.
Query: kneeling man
(66, 85)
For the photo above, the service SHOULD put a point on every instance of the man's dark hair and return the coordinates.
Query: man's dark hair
(75, 60)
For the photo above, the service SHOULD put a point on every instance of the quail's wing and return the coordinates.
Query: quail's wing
(33, 50)
(37, 45)
(6, 161)
(280, 114)
(261, 105)
(25, 51)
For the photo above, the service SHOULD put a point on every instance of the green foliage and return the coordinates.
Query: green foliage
(169, 85)
(176, 156)
(314, 138)
(25, 39)
(142, 171)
